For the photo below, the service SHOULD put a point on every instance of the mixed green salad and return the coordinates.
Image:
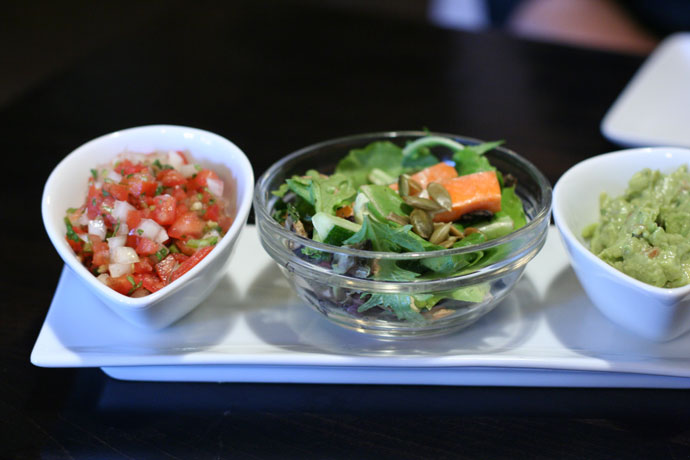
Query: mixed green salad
(404, 199)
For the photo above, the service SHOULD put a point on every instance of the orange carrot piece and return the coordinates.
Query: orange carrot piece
(472, 192)
(436, 173)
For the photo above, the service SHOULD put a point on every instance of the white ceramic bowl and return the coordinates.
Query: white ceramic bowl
(67, 187)
(659, 314)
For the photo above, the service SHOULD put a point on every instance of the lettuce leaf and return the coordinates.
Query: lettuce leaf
(471, 159)
(359, 163)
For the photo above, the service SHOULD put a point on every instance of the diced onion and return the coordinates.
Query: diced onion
(114, 176)
(175, 159)
(103, 277)
(123, 229)
(120, 269)
(84, 237)
(116, 242)
(150, 229)
(121, 209)
(123, 255)
(162, 237)
(83, 219)
(97, 227)
(188, 170)
(215, 186)
(211, 234)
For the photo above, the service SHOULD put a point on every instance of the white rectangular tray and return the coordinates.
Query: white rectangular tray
(253, 329)
(654, 108)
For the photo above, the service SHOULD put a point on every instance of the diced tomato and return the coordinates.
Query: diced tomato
(101, 251)
(188, 224)
(142, 184)
(121, 284)
(133, 219)
(225, 222)
(212, 213)
(178, 193)
(180, 257)
(164, 209)
(120, 192)
(77, 246)
(165, 267)
(199, 180)
(151, 282)
(143, 266)
(188, 264)
(184, 249)
(126, 167)
(146, 246)
(171, 178)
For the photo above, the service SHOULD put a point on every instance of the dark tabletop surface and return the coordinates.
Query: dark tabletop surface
(273, 77)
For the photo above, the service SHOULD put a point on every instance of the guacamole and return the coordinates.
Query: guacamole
(645, 233)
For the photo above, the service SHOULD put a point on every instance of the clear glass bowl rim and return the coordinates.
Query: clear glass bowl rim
(261, 206)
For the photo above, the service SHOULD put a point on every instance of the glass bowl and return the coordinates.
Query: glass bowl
(337, 281)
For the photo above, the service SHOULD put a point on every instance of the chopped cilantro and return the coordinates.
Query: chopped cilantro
(140, 231)
(71, 234)
(159, 190)
(174, 249)
(162, 253)
(94, 173)
(71, 210)
(104, 192)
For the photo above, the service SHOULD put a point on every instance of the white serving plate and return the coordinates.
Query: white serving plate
(654, 108)
(252, 328)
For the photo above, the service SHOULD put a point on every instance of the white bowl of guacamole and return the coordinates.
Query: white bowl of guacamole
(625, 220)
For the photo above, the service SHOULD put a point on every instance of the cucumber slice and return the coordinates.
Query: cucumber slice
(332, 229)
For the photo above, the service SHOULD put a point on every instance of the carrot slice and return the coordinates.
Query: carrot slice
(472, 192)
(436, 173)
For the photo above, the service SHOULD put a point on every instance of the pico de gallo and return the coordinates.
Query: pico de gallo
(147, 220)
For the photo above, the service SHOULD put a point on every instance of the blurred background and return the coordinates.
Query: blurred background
(41, 38)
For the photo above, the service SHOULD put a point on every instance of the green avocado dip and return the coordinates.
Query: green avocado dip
(645, 232)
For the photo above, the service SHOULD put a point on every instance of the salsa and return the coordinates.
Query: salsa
(147, 220)
(645, 233)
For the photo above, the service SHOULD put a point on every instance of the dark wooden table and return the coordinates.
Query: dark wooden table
(275, 76)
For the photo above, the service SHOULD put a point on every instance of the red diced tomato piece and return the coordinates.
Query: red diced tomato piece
(184, 249)
(164, 209)
(120, 192)
(101, 251)
(141, 184)
(151, 282)
(188, 264)
(188, 224)
(212, 213)
(121, 284)
(165, 267)
(143, 266)
(77, 246)
(133, 219)
(180, 257)
(199, 180)
(146, 246)
(126, 167)
(171, 178)
(178, 193)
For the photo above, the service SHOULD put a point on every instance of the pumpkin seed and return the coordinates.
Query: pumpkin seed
(402, 220)
(440, 234)
(449, 242)
(440, 195)
(422, 203)
(415, 187)
(421, 223)
(404, 185)
(455, 231)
